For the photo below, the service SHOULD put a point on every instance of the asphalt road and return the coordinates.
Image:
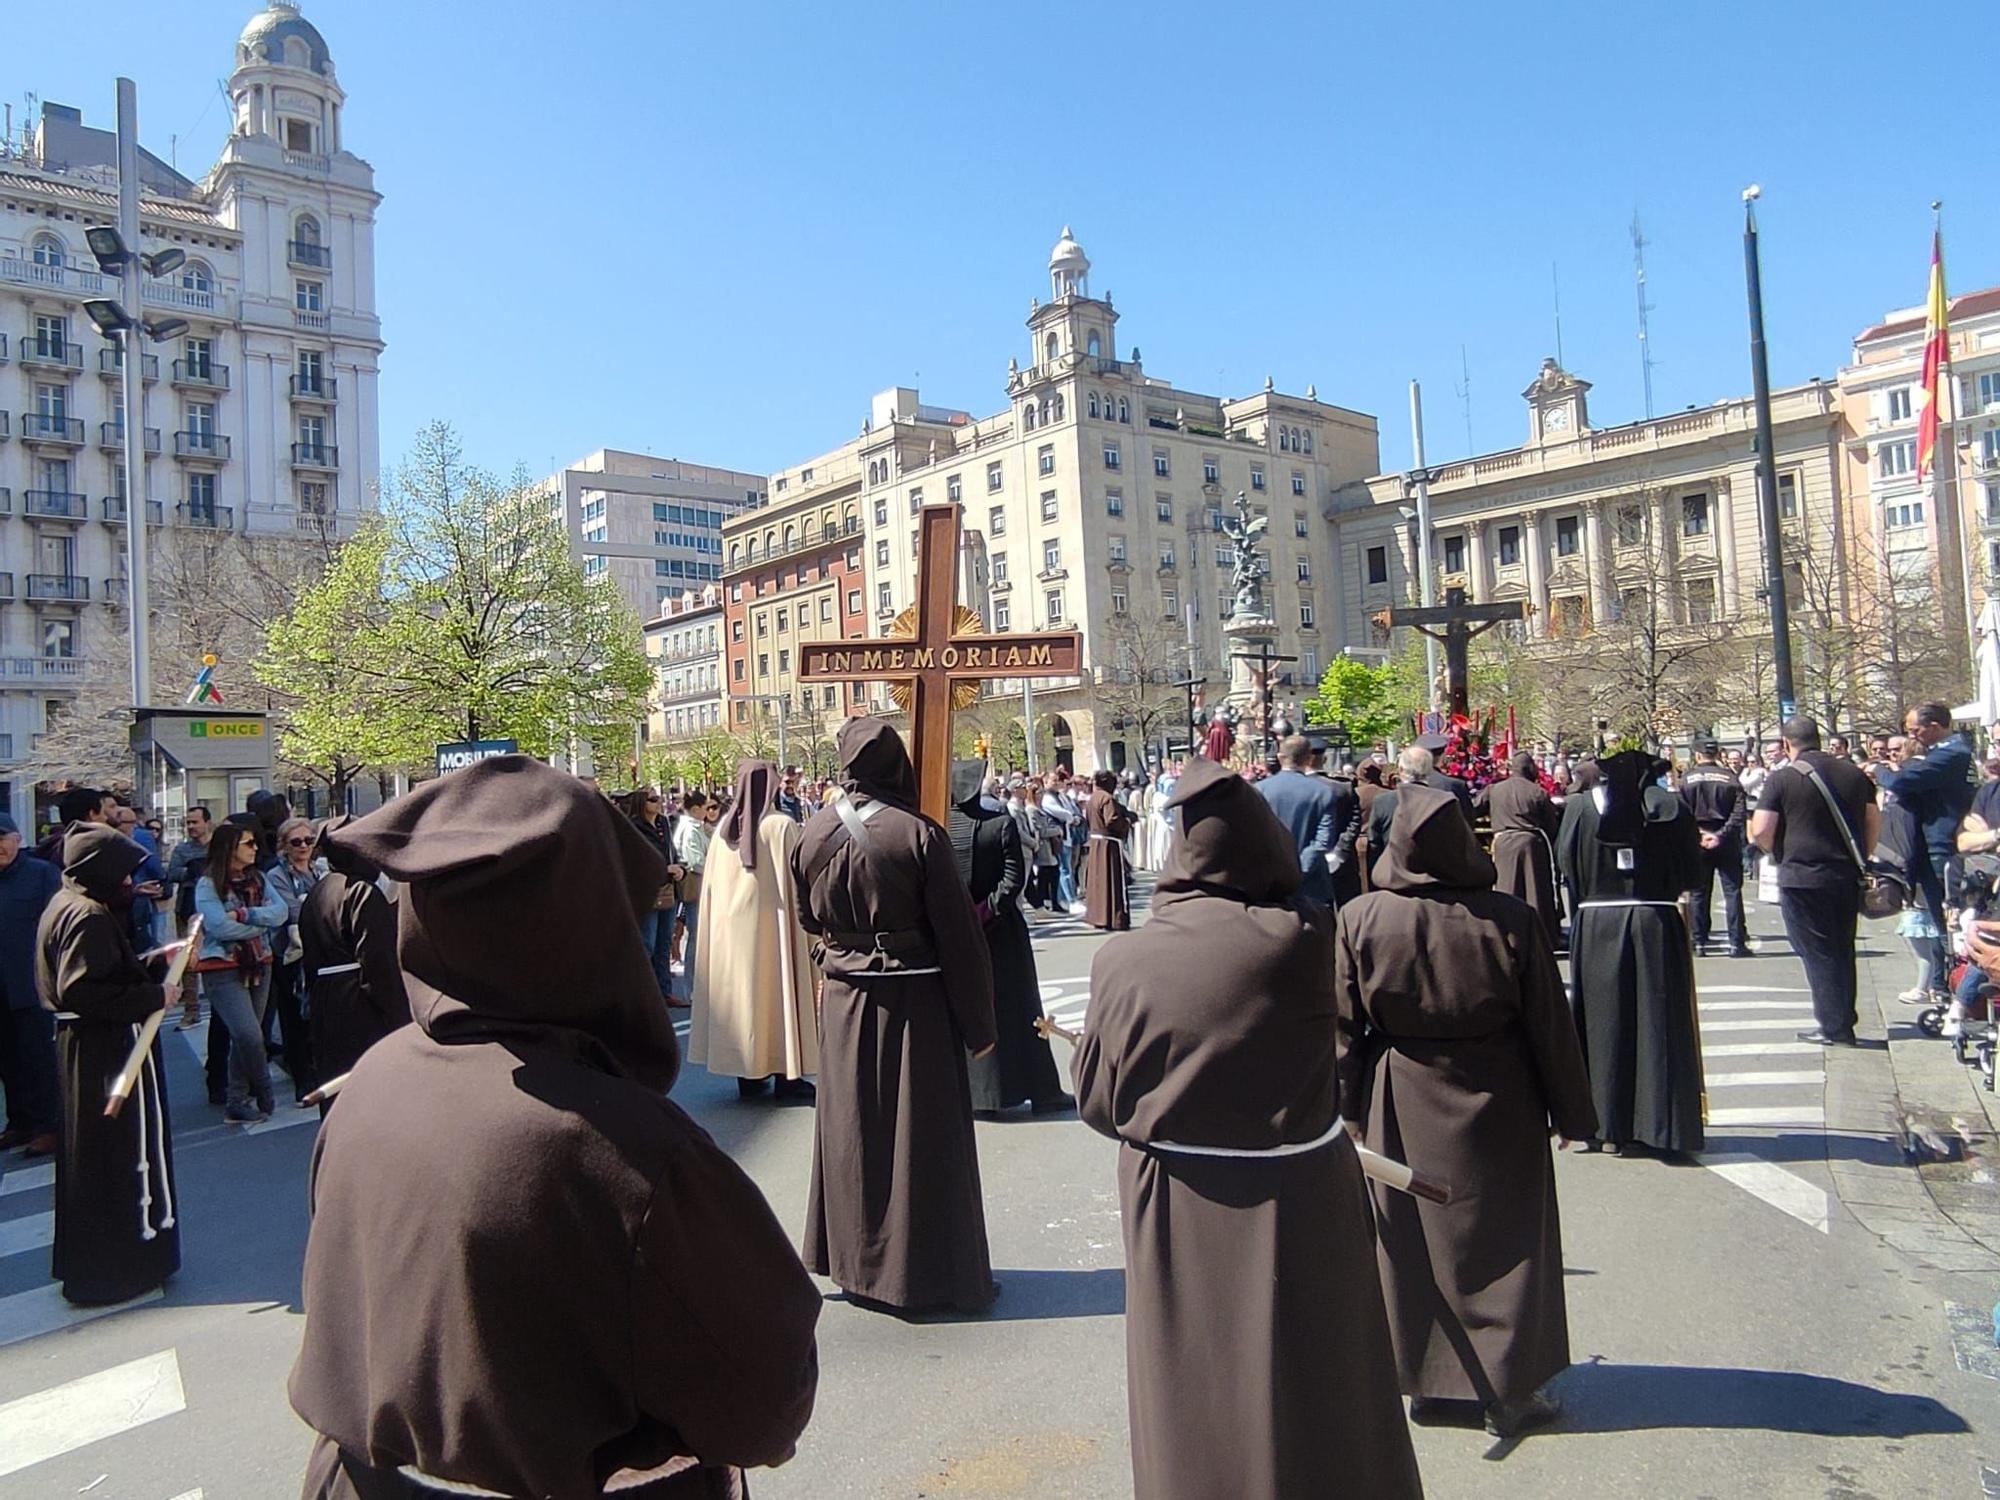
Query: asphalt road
(1736, 1331)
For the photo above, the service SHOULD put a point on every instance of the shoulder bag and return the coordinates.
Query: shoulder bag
(1883, 893)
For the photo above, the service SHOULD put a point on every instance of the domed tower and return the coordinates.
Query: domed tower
(1073, 321)
(304, 206)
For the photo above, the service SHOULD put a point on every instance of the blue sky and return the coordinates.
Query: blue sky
(712, 232)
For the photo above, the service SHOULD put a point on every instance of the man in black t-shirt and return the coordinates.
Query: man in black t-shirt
(1819, 884)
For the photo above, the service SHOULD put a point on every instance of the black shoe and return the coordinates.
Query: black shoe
(1823, 1039)
(1055, 1104)
(794, 1088)
(750, 1088)
(1505, 1419)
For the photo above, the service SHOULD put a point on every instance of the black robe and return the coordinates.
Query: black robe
(1525, 824)
(1458, 1055)
(116, 1234)
(1257, 1353)
(354, 988)
(1020, 1067)
(894, 1214)
(1632, 971)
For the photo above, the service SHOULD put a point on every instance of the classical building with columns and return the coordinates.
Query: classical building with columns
(1582, 521)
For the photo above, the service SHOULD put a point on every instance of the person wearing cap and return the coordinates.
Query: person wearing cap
(27, 1032)
(529, 1272)
(894, 1215)
(1457, 1051)
(1437, 744)
(116, 1232)
(1716, 801)
(1257, 1352)
(1629, 850)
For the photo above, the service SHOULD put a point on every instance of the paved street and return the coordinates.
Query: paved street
(1772, 1322)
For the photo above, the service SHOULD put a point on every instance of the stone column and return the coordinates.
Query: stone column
(1538, 584)
(1597, 561)
(1481, 589)
(1724, 522)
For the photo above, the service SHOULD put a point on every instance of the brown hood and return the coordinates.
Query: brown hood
(97, 858)
(874, 764)
(756, 790)
(1431, 845)
(340, 858)
(1230, 844)
(522, 915)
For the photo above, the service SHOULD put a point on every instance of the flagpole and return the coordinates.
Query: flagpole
(1767, 468)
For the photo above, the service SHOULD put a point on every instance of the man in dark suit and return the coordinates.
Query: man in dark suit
(1323, 819)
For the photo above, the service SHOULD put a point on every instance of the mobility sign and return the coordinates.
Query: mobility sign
(458, 756)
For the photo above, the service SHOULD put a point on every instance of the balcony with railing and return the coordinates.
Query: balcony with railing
(323, 388)
(111, 364)
(6, 426)
(114, 511)
(303, 253)
(209, 517)
(51, 428)
(315, 456)
(111, 437)
(210, 447)
(185, 298)
(309, 161)
(311, 320)
(6, 585)
(55, 505)
(6, 501)
(201, 374)
(3, 348)
(117, 590)
(41, 668)
(62, 277)
(813, 536)
(53, 353)
(56, 588)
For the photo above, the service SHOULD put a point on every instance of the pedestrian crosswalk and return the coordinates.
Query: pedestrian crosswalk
(66, 1417)
(1762, 1082)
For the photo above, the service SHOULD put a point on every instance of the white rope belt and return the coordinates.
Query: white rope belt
(336, 969)
(1290, 1148)
(890, 973)
(1588, 905)
(1107, 838)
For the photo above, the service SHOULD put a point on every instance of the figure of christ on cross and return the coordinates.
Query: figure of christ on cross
(936, 657)
(1461, 622)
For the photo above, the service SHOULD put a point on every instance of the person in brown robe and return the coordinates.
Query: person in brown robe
(529, 1272)
(1106, 901)
(1257, 1353)
(1525, 823)
(894, 1215)
(1368, 785)
(1457, 1055)
(116, 1234)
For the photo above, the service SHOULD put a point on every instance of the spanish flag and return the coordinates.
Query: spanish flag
(1937, 358)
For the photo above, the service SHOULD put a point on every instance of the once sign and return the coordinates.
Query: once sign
(937, 657)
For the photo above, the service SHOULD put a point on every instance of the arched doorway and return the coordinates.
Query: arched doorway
(1065, 742)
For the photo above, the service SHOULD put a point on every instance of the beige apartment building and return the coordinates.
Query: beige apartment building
(1095, 501)
(684, 649)
(1590, 527)
(653, 525)
(1925, 542)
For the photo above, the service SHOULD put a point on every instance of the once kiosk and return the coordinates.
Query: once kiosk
(190, 757)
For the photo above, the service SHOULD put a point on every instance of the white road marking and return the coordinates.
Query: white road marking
(30, 1232)
(64, 1418)
(1770, 1114)
(284, 1117)
(1771, 1183)
(189, 1495)
(199, 1049)
(1764, 1049)
(27, 1315)
(1773, 1023)
(27, 1179)
(1756, 1078)
(1748, 989)
(1794, 1006)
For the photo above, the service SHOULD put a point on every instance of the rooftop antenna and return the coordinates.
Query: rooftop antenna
(1645, 339)
(1555, 281)
(1464, 389)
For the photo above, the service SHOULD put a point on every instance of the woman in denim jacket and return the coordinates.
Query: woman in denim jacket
(239, 913)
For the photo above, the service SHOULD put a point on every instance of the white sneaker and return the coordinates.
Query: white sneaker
(1914, 995)
(1077, 909)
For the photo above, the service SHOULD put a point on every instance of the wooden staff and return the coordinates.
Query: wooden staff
(128, 1076)
(328, 1089)
(1374, 1165)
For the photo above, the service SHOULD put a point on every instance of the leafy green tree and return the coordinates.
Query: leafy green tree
(459, 615)
(1364, 698)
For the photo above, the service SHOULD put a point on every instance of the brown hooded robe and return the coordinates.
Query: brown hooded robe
(1257, 1355)
(1106, 902)
(529, 1271)
(895, 1215)
(1457, 1056)
(115, 1234)
(1525, 823)
(354, 986)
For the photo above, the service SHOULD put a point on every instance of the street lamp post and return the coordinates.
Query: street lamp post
(1767, 467)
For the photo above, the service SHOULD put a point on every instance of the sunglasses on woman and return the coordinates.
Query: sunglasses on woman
(298, 843)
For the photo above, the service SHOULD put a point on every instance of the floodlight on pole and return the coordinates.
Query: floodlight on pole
(108, 246)
(111, 319)
(164, 262)
(159, 330)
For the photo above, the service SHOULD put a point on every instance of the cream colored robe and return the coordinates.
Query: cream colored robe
(754, 978)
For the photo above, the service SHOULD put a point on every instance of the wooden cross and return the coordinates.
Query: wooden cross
(1461, 622)
(936, 656)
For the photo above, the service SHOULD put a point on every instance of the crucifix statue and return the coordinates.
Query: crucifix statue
(1459, 622)
(935, 656)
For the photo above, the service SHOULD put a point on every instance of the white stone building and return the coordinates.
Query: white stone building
(260, 419)
(684, 649)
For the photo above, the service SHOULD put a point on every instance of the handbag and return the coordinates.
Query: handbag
(1883, 893)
